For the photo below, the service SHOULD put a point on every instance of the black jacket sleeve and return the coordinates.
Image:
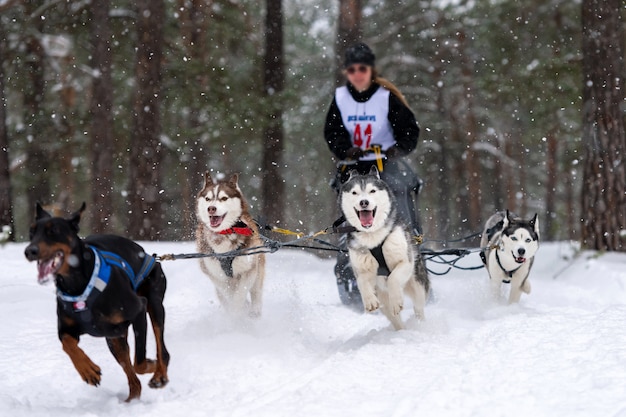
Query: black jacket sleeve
(405, 128)
(335, 133)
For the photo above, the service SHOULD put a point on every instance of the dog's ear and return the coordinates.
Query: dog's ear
(208, 181)
(353, 173)
(507, 219)
(534, 222)
(374, 171)
(40, 213)
(75, 218)
(234, 180)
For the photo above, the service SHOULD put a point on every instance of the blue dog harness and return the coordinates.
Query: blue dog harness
(104, 262)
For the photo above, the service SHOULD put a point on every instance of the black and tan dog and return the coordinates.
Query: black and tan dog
(104, 284)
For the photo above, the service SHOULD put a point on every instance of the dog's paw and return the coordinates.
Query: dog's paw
(371, 303)
(158, 381)
(526, 287)
(396, 304)
(396, 308)
(90, 373)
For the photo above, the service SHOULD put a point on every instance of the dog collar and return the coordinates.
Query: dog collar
(240, 228)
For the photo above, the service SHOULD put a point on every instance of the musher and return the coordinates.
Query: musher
(370, 123)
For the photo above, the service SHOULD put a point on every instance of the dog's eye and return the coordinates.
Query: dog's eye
(354, 193)
(207, 198)
(527, 240)
(372, 191)
(223, 198)
(513, 238)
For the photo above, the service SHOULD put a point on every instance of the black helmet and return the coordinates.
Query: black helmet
(359, 53)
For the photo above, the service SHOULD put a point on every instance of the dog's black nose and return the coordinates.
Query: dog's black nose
(32, 252)
(364, 203)
(521, 251)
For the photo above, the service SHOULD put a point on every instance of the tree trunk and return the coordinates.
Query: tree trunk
(510, 178)
(6, 198)
(273, 187)
(349, 32)
(471, 131)
(604, 177)
(65, 154)
(145, 177)
(194, 22)
(552, 174)
(102, 148)
(37, 163)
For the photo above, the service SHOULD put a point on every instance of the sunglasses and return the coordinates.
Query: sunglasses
(360, 68)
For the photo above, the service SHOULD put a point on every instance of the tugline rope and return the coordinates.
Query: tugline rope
(271, 246)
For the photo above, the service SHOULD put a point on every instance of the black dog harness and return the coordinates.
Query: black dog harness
(377, 253)
(239, 228)
(103, 263)
(509, 273)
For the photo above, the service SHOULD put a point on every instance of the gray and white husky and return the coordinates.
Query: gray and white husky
(509, 246)
(225, 225)
(386, 263)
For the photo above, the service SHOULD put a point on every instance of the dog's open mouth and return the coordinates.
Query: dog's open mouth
(518, 259)
(366, 217)
(49, 267)
(216, 221)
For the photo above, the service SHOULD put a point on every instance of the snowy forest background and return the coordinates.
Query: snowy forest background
(126, 109)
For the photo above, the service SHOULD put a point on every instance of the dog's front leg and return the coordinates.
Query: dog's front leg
(238, 288)
(140, 329)
(495, 283)
(517, 286)
(395, 283)
(160, 378)
(366, 283)
(88, 371)
(121, 352)
(156, 311)
(364, 267)
(516, 293)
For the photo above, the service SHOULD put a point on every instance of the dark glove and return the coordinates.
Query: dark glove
(354, 153)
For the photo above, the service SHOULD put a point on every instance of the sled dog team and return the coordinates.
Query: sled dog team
(105, 283)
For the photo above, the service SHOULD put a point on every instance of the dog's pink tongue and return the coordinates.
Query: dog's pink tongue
(216, 220)
(366, 217)
(46, 270)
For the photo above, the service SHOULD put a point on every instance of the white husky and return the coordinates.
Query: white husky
(386, 263)
(509, 246)
(225, 225)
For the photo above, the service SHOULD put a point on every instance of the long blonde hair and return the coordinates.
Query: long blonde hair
(389, 86)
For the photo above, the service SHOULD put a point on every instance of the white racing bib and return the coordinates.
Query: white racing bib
(366, 122)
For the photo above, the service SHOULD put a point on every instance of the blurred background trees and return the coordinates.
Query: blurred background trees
(125, 106)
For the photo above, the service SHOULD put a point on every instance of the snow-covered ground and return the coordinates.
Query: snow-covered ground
(560, 352)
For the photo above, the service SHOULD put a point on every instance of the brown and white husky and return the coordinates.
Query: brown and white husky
(225, 225)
